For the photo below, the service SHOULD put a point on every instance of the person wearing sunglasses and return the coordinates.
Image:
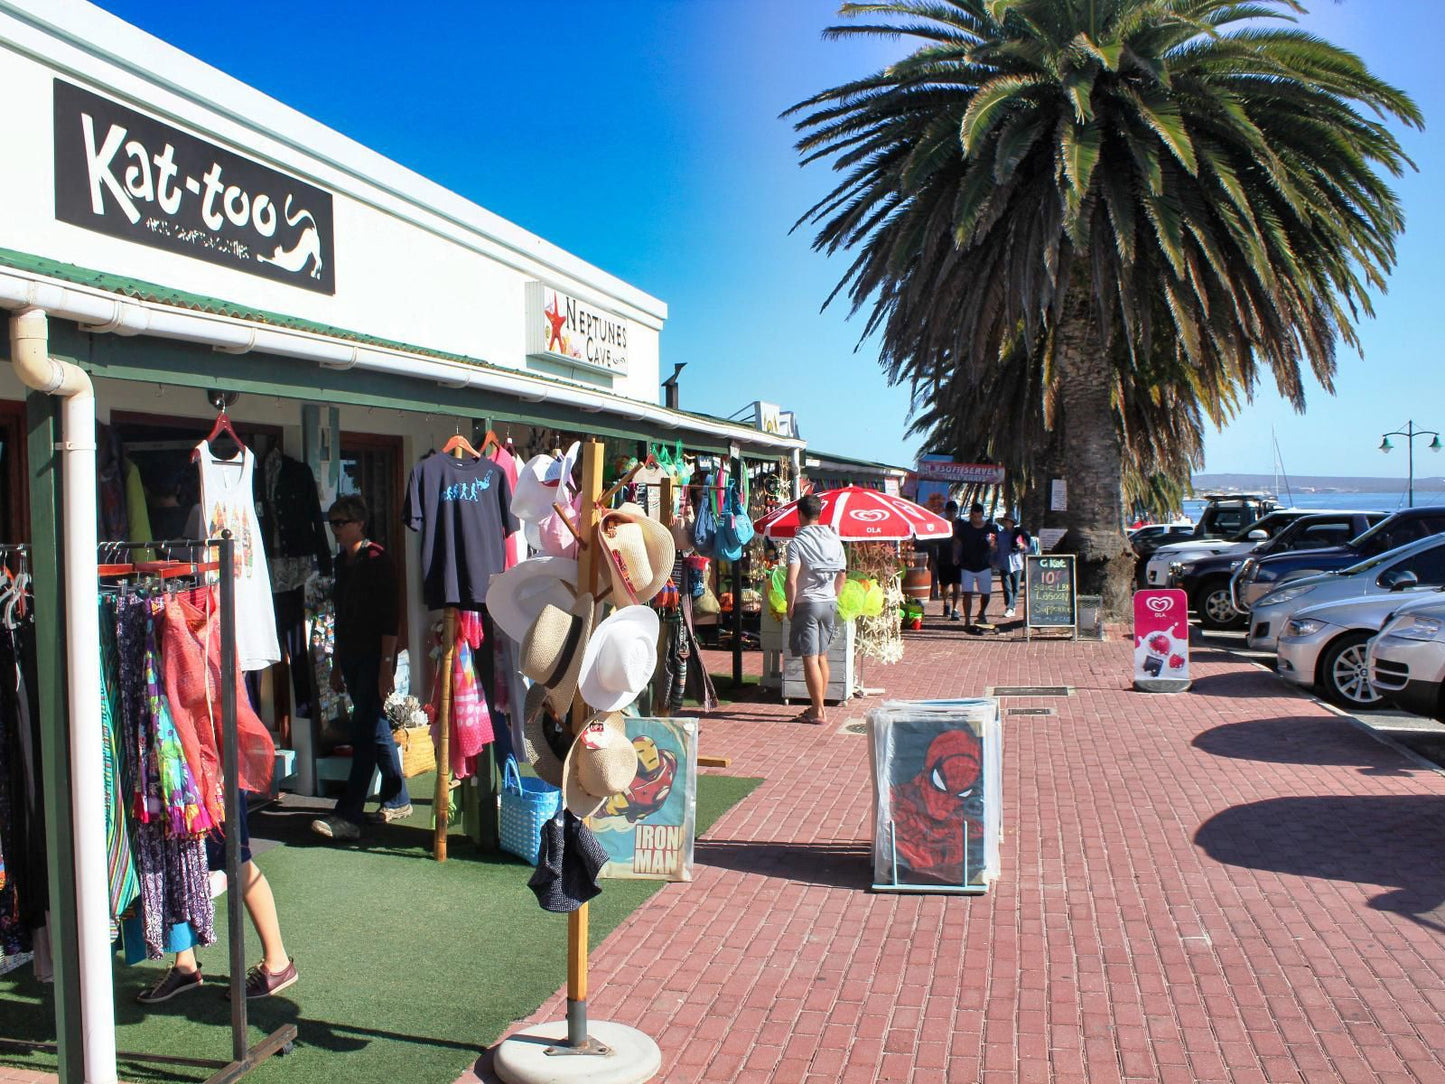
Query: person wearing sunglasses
(364, 663)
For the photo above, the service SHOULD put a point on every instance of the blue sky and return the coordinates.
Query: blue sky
(643, 135)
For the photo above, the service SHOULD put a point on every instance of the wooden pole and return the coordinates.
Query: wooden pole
(588, 574)
(443, 799)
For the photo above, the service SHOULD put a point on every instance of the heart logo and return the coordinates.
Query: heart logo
(1160, 604)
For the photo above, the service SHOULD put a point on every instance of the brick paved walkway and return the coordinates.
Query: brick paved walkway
(1230, 885)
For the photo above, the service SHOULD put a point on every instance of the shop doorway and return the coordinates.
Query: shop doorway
(371, 467)
(14, 487)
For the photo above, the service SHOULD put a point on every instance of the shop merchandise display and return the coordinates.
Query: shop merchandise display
(462, 508)
(24, 890)
(228, 504)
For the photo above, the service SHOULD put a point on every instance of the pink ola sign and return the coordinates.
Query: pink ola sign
(1161, 636)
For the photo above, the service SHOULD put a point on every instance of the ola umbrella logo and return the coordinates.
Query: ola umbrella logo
(1160, 604)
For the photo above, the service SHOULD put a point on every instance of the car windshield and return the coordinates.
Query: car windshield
(1269, 523)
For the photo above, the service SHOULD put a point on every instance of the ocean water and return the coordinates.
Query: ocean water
(1354, 502)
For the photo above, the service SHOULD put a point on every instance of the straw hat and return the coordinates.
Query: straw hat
(546, 737)
(602, 762)
(620, 658)
(516, 597)
(640, 552)
(552, 650)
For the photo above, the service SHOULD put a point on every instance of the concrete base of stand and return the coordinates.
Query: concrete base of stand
(522, 1058)
(1161, 685)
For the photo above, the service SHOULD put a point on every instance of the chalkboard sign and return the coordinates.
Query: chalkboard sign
(1051, 599)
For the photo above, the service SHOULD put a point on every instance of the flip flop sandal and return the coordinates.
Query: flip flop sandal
(805, 716)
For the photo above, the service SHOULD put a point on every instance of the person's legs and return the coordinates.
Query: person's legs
(968, 607)
(361, 678)
(820, 709)
(814, 675)
(261, 906)
(393, 794)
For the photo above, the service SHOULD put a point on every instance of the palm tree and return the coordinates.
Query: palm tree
(1095, 185)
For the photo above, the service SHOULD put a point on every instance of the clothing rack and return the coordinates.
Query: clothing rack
(244, 1057)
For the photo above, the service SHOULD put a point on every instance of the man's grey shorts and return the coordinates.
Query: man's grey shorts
(976, 583)
(814, 623)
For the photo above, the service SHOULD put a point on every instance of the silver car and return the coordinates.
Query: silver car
(1407, 659)
(1325, 646)
(1418, 562)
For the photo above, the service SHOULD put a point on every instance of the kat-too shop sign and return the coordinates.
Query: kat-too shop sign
(575, 332)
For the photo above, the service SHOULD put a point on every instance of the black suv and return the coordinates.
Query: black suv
(1260, 575)
(1206, 580)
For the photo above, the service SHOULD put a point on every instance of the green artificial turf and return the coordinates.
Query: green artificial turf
(408, 967)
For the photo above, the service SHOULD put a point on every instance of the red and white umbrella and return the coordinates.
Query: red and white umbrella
(861, 515)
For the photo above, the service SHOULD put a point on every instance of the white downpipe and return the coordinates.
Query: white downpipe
(30, 355)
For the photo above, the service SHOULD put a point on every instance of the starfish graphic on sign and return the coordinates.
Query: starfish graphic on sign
(556, 319)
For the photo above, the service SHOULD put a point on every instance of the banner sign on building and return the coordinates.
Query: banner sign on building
(647, 830)
(125, 174)
(1161, 641)
(940, 470)
(564, 328)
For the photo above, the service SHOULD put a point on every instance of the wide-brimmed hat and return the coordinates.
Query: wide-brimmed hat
(620, 658)
(639, 551)
(552, 649)
(601, 762)
(538, 485)
(546, 736)
(516, 597)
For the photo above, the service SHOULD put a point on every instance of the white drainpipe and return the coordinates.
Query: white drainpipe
(30, 354)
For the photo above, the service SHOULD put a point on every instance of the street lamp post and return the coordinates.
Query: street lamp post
(1410, 433)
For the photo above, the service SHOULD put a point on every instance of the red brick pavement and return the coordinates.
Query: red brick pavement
(1229, 885)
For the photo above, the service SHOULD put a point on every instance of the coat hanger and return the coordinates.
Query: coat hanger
(458, 446)
(222, 425)
(490, 439)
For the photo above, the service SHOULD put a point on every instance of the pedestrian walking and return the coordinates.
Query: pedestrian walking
(1013, 543)
(974, 540)
(945, 568)
(817, 569)
(367, 617)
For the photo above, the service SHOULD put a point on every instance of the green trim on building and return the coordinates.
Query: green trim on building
(193, 365)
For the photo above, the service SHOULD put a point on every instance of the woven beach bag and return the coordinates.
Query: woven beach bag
(527, 804)
(418, 755)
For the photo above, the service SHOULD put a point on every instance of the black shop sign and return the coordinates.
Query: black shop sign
(1051, 598)
(125, 174)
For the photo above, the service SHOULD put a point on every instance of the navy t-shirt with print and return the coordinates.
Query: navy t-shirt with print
(463, 509)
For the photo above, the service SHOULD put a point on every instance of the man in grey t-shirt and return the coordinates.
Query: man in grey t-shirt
(817, 569)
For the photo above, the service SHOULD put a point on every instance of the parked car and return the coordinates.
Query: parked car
(1242, 541)
(1257, 577)
(1206, 579)
(1227, 514)
(1146, 539)
(1418, 562)
(1326, 646)
(1407, 658)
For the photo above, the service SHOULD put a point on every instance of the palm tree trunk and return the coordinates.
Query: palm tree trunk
(1094, 457)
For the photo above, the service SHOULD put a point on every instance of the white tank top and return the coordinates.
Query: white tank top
(228, 504)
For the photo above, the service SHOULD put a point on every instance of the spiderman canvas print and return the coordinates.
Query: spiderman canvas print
(936, 800)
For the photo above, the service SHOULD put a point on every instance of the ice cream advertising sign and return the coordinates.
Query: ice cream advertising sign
(1161, 641)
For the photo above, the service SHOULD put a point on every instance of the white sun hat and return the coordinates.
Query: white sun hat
(516, 597)
(620, 658)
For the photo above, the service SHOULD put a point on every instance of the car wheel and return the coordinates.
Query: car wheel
(1215, 608)
(1344, 675)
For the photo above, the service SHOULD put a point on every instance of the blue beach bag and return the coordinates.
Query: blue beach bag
(527, 804)
(734, 529)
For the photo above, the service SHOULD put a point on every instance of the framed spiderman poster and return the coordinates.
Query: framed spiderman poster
(937, 795)
(647, 830)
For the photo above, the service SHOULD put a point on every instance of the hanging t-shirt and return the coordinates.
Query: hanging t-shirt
(463, 509)
(516, 543)
(228, 504)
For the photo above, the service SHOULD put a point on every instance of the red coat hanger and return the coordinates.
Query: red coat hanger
(223, 425)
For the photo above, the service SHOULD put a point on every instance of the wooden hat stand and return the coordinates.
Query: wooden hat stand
(561, 1051)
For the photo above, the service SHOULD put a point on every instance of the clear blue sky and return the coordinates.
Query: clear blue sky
(643, 135)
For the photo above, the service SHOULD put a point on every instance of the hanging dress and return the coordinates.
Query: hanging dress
(228, 504)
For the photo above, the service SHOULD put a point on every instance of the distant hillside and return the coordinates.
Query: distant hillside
(1306, 483)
